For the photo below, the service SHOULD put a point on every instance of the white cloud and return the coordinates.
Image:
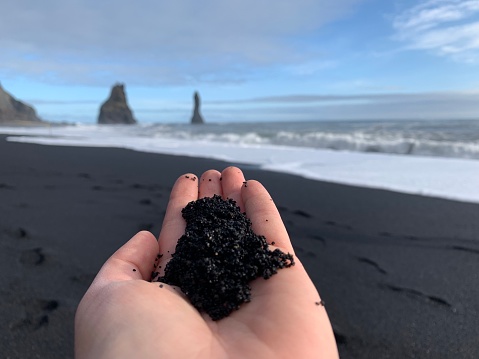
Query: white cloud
(446, 27)
(429, 105)
(157, 41)
(432, 13)
(429, 97)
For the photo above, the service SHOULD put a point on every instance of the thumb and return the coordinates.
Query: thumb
(134, 260)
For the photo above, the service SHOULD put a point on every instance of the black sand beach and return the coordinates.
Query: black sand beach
(399, 273)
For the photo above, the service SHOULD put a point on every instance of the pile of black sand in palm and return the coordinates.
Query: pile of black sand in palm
(218, 256)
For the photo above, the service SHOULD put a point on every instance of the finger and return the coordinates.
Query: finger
(210, 184)
(132, 261)
(184, 191)
(264, 215)
(232, 179)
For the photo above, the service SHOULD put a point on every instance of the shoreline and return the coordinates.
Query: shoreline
(431, 176)
(397, 271)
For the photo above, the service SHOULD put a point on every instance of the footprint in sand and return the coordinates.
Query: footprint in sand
(37, 315)
(83, 278)
(84, 175)
(465, 249)
(416, 294)
(296, 212)
(338, 225)
(32, 257)
(6, 186)
(385, 234)
(301, 213)
(304, 253)
(18, 233)
(319, 238)
(371, 263)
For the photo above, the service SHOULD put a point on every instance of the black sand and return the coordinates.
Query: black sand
(219, 255)
(398, 273)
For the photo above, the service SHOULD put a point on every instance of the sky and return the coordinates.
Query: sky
(250, 60)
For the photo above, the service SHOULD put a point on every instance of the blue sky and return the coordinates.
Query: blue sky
(250, 60)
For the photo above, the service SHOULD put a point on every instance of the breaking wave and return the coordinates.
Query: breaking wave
(456, 139)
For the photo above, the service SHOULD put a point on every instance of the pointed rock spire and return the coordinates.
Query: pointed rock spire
(115, 110)
(197, 118)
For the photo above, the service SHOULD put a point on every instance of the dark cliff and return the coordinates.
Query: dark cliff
(14, 111)
(115, 110)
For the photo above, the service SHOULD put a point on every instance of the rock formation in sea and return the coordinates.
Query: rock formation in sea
(14, 111)
(197, 118)
(115, 110)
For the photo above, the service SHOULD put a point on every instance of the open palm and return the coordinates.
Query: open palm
(123, 315)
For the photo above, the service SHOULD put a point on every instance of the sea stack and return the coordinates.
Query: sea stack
(197, 118)
(115, 110)
(13, 111)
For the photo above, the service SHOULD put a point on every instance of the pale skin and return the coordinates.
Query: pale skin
(124, 315)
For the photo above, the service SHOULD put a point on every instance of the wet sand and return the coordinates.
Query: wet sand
(398, 273)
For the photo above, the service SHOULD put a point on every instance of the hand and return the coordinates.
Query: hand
(124, 315)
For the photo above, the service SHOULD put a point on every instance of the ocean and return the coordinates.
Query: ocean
(432, 158)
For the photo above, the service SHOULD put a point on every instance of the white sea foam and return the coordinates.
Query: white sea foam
(451, 178)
